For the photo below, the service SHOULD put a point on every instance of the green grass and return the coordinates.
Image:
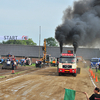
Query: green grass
(94, 70)
(97, 73)
(33, 65)
(19, 72)
(87, 66)
(2, 76)
(99, 79)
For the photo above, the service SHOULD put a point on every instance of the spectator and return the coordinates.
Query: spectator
(96, 68)
(36, 63)
(99, 66)
(13, 65)
(57, 62)
(24, 62)
(95, 96)
(21, 62)
(40, 64)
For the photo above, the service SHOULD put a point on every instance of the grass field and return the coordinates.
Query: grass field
(2, 76)
(96, 73)
(33, 65)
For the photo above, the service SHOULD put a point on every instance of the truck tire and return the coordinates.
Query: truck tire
(78, 70)
(75, 74)
(59, 74)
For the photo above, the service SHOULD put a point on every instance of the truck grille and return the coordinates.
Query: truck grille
(67, 66)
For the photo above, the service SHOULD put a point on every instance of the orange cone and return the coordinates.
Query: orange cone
(94, 75)
(90, 70)
(91, 73)
(96, 79)
(13, 72)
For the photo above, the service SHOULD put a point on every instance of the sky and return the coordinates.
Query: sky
(24, 17)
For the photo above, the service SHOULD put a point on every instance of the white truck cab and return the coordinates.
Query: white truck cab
(67, 63)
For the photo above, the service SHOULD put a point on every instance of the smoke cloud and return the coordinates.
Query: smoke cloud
(80, 24)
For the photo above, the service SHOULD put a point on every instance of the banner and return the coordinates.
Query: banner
(69, 94)
(6, 37)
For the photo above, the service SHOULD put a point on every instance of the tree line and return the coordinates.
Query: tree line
(49, 42)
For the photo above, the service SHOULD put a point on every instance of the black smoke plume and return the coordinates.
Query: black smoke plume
(80, 25)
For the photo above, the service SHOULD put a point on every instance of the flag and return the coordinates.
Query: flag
(69, 94)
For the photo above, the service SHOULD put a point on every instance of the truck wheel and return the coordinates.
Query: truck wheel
(78, 70)
(75, 74)
(59, 74)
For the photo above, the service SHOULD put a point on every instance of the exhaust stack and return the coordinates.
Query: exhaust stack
(75, 46)
(61, 47)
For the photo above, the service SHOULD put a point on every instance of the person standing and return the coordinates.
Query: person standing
(24, 62)
(40, 64)
(95, 96)
(36, 63)
(57, 62)
(96, 68)
(13, 65)
(99, 66)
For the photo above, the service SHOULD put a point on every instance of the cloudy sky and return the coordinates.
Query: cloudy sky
(23, 17)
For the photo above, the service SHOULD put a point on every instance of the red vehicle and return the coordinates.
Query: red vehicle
(67, 64)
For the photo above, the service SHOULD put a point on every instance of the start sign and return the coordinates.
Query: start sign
(14, 37)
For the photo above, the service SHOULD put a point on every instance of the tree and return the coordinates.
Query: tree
(51, 42)
(22, 42)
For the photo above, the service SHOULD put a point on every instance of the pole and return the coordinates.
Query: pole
(39, 39)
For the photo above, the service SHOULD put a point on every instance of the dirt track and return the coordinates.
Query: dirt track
(19, 68)
(44, 84)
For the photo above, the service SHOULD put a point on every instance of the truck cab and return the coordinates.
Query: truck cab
(94, 62)
(67, 64)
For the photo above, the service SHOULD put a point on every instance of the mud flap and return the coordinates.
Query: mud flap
(78, 70)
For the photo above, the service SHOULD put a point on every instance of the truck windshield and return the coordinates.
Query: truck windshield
(67, 60)
(94, 60)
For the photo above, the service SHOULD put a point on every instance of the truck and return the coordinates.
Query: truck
(67, 64)
(94, 62)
